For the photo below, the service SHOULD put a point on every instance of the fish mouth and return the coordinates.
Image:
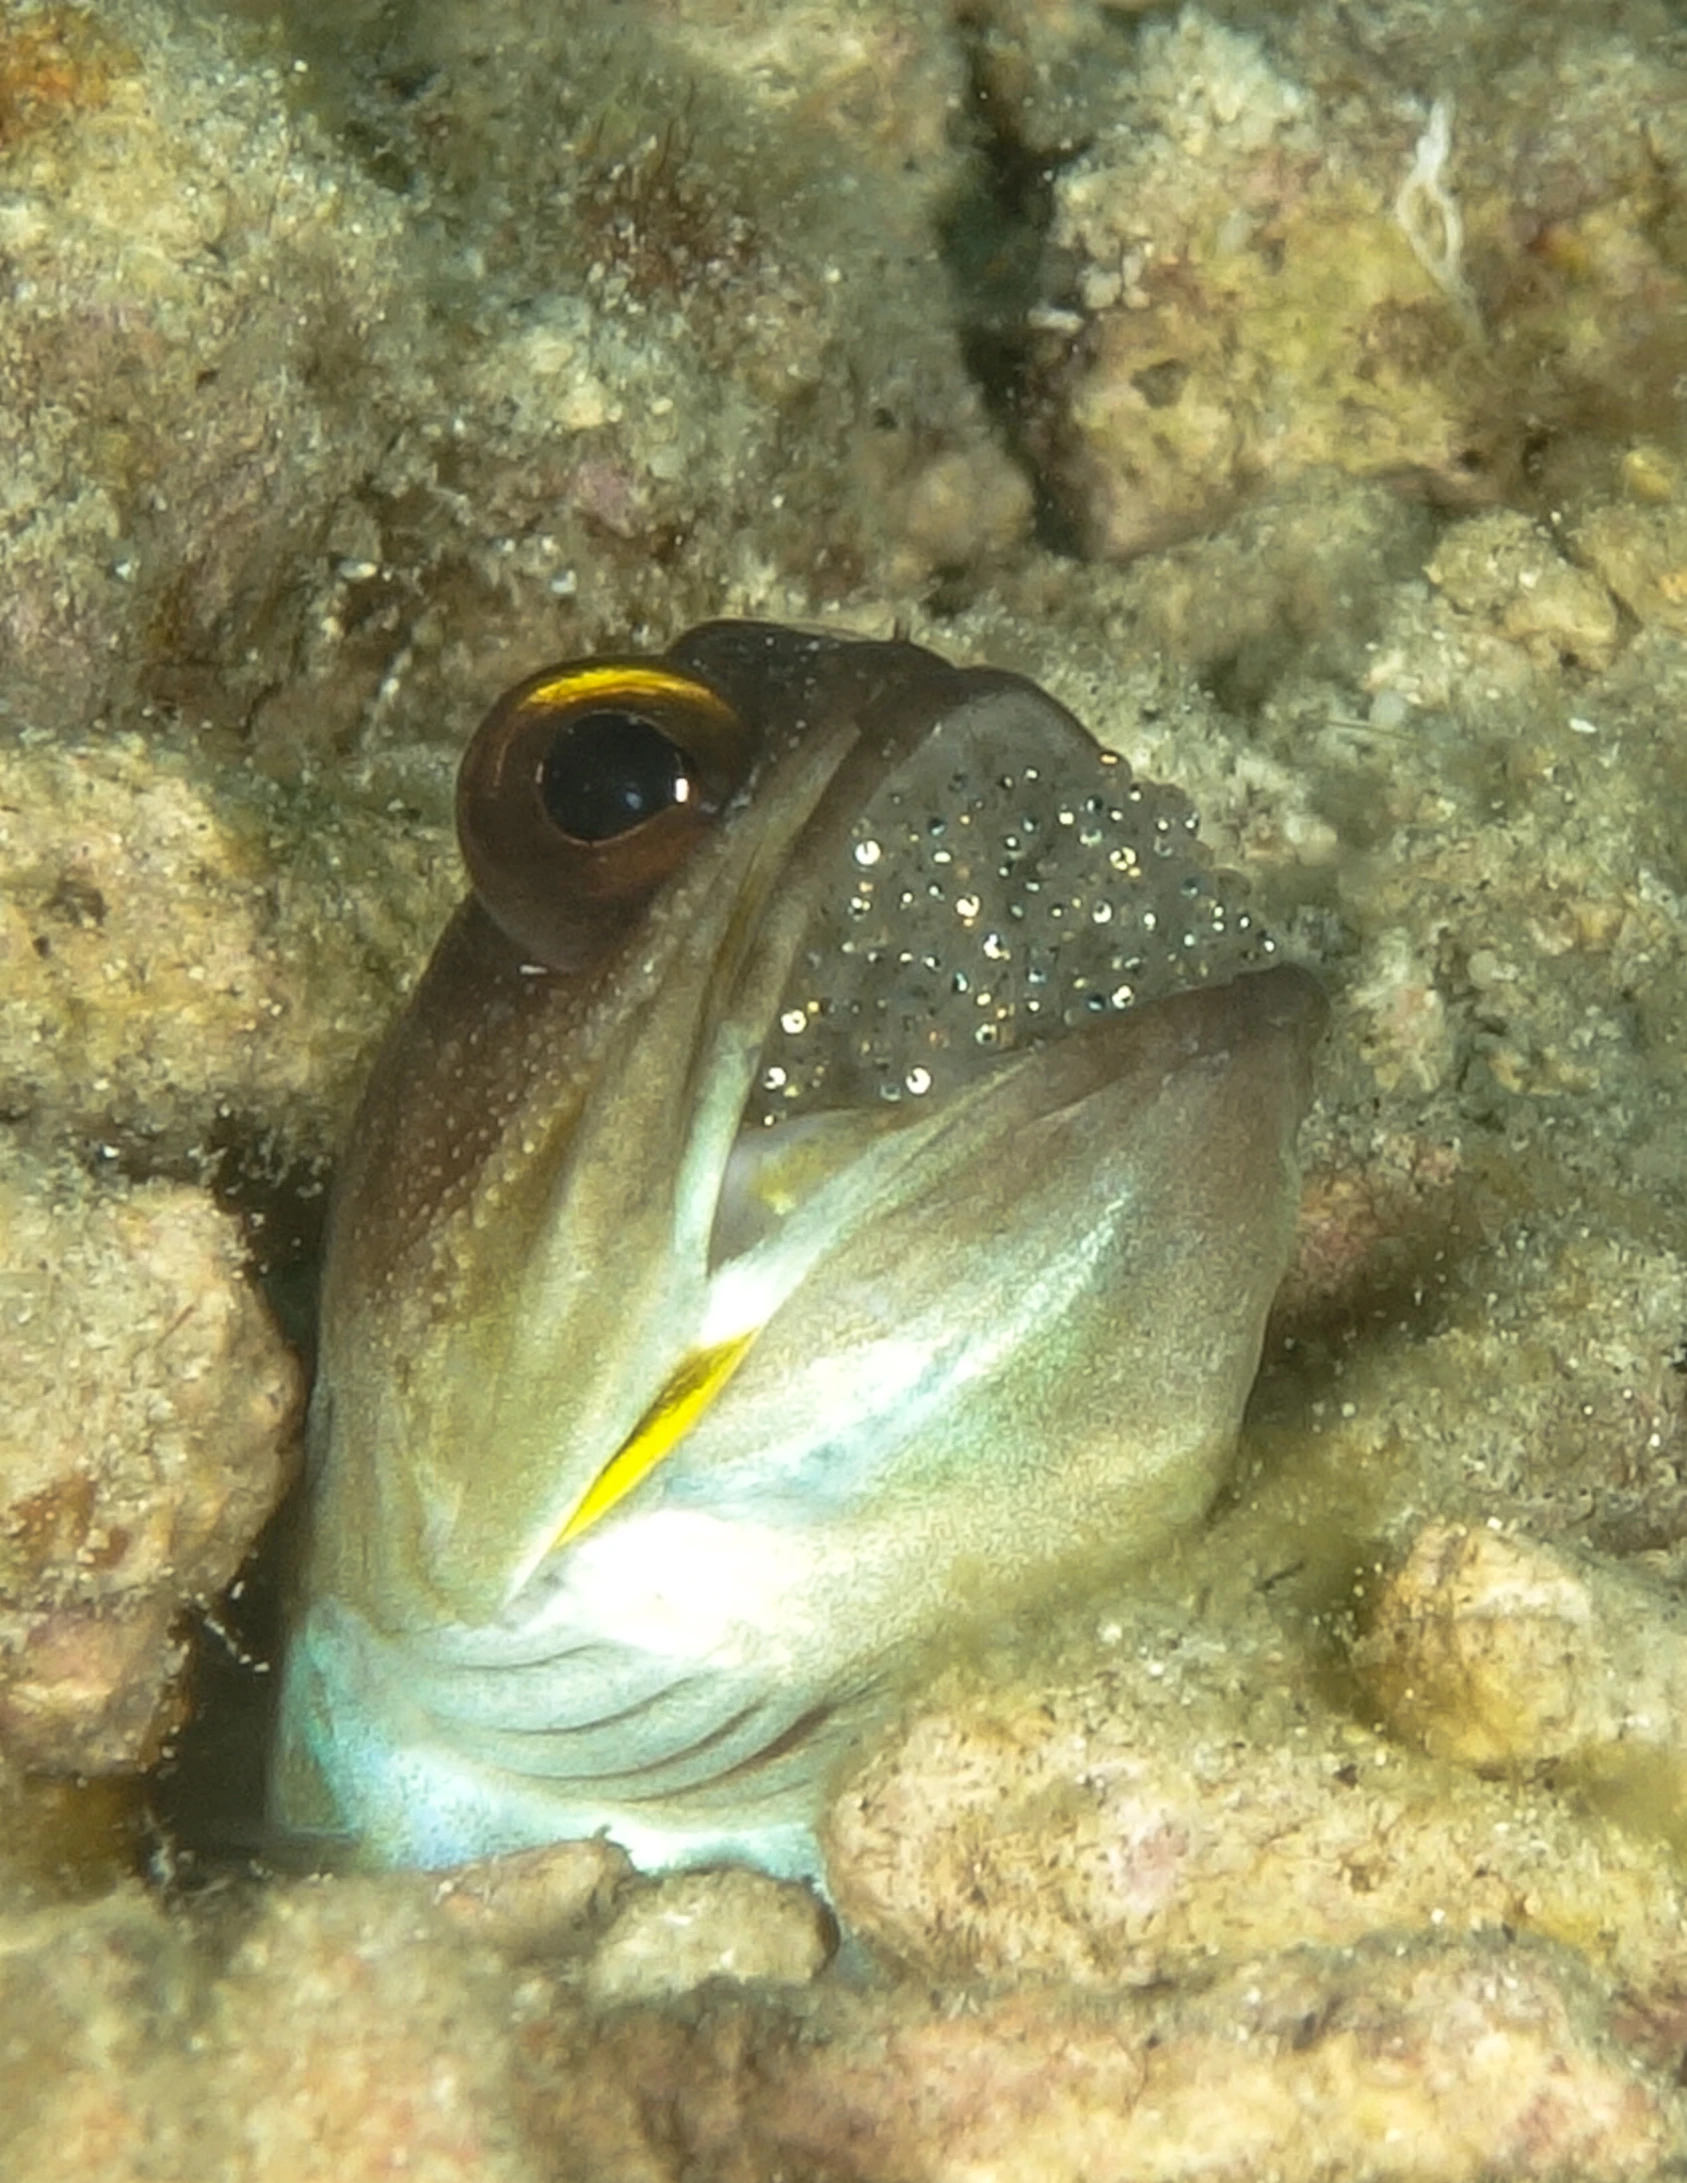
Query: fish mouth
(689, 1206)
(796, 1201)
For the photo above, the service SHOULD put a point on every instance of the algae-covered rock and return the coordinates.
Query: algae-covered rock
(1505, 569)
(1268, 255)
(181, 958)
(1641, 553)
(1507, 1655)
(693, 1926)
(149, 1426)
(1439, 2061)
(1176, 1814)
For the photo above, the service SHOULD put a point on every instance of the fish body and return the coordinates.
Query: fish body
(826, 1189)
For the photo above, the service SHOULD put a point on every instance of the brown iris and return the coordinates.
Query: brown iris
(585, 787)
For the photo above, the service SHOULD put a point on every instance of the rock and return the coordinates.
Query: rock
(1500, 1652)
(1642, 554)
(356, 2033)
(693, 1926)
(90, 2000)
(347, 2033)
(179, 953)
(149, 1427)
(1425, 2061)
(1148, 1826)
(1504, 569)
(538, 1903)
(1263, 261)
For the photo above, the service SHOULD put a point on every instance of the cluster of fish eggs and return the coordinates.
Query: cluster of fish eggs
(975, 918)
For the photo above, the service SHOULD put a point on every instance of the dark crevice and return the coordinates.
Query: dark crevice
(280, 1198)
(993, 239)
(203, 1805)
(203, 1809)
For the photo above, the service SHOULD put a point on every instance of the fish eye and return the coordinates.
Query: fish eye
(609, 770)
(585, 787)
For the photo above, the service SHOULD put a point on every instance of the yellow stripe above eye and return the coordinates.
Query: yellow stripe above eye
(623, 681)
(669, 1418)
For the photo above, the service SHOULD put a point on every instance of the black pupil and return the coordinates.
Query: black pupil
(609, 771)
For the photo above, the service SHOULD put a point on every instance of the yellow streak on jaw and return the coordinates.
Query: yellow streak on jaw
(687, 1394)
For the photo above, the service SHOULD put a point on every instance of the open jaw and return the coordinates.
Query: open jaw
(1011, 1335)
(863, 1224)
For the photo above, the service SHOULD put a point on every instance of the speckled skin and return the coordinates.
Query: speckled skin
(1006, 1293)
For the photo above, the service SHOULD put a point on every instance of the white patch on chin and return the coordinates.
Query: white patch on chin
(687, 1585)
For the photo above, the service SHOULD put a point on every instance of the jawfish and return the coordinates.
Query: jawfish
(827, 1188)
